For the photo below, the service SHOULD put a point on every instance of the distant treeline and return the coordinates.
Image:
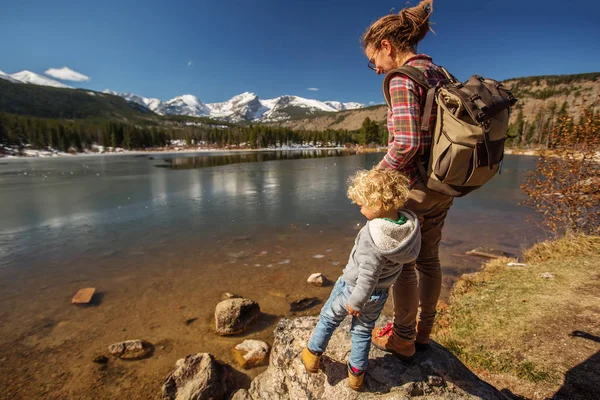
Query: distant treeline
(553, 80)
(541, 132)
(544, 87)
(77, 135)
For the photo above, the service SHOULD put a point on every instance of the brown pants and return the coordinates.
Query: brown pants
(408, 293)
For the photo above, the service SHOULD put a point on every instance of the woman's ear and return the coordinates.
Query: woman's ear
(387, 46)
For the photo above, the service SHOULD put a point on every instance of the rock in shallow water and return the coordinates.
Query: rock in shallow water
(235, 315)
(100, 360)
(251, 353)
(434, 374)
(304, 303)
(130, 349)
(317, 279)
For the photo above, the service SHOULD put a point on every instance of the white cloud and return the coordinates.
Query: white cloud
(67, 74)
(371, 103)
(190, 63)
(313, 89)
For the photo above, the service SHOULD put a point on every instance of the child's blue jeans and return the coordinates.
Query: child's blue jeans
(334, 312)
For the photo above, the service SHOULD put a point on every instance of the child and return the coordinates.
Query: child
(390, 238)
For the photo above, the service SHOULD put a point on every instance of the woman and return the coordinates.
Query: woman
(391, 42)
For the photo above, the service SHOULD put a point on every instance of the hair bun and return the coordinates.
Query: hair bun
(418, 17)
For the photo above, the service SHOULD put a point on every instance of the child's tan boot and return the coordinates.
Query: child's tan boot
(355, 381)
(310, 361)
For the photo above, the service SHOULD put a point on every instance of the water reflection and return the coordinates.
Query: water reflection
(204, 161)
(69, 208)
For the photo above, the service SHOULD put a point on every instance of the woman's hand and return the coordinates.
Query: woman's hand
(352, 311)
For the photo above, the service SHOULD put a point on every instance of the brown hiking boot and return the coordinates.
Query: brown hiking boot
(310, 361)
(355, 381)
(384, 339)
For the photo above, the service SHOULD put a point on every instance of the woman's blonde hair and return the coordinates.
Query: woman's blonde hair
(404, 30)
(379, 189)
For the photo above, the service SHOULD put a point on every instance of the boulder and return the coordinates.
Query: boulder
(235, 315)
(251, 353)
(198, 377)
(317, 279)
(130, 349)
(433, 374)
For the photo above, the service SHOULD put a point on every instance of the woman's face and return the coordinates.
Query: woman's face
(381, 60)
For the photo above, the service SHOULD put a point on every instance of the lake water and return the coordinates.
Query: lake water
(162, 236)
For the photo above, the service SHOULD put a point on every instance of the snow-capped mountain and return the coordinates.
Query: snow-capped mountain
(150, 103)
(243, 107)
(184, 105)
(36, 79)
(339, 106)
(284, 107)
(9, 78)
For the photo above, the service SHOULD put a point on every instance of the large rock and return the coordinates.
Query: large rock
(131, 349)
(434, 374)
(198, 377)
(235, 315)
(251, 353)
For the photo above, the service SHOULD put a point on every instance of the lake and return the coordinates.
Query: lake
(162, 236)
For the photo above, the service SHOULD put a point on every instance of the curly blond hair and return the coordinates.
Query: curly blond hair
(379, 189)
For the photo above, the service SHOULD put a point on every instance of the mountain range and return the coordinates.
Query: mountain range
(245, 107)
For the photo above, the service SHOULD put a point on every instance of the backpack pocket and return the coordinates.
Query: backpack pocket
(453, 153)
(479, 171)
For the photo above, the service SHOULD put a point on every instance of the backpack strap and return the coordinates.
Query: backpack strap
(417, 76)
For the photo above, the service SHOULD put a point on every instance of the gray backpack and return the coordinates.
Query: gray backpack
(471, 124)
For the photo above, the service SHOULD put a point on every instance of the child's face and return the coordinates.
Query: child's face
(368, 213)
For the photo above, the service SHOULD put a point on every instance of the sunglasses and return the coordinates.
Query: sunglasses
(371, 63)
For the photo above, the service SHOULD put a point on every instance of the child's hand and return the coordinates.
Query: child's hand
(352, 311)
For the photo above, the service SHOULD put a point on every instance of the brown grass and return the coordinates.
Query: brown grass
(513, 327)
(575, 246)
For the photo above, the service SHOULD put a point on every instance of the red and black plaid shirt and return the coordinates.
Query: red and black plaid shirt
(407, 143)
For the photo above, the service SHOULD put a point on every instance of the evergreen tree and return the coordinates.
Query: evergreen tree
(369, 132)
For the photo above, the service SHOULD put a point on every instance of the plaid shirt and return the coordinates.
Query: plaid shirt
(407, 143)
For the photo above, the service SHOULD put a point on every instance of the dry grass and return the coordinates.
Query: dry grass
(575, 246)
(513, 326)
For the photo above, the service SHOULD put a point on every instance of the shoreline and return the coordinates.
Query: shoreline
(523, 152)
(186, 150)
(49, 155)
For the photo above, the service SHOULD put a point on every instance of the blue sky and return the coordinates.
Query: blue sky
(217, 49)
